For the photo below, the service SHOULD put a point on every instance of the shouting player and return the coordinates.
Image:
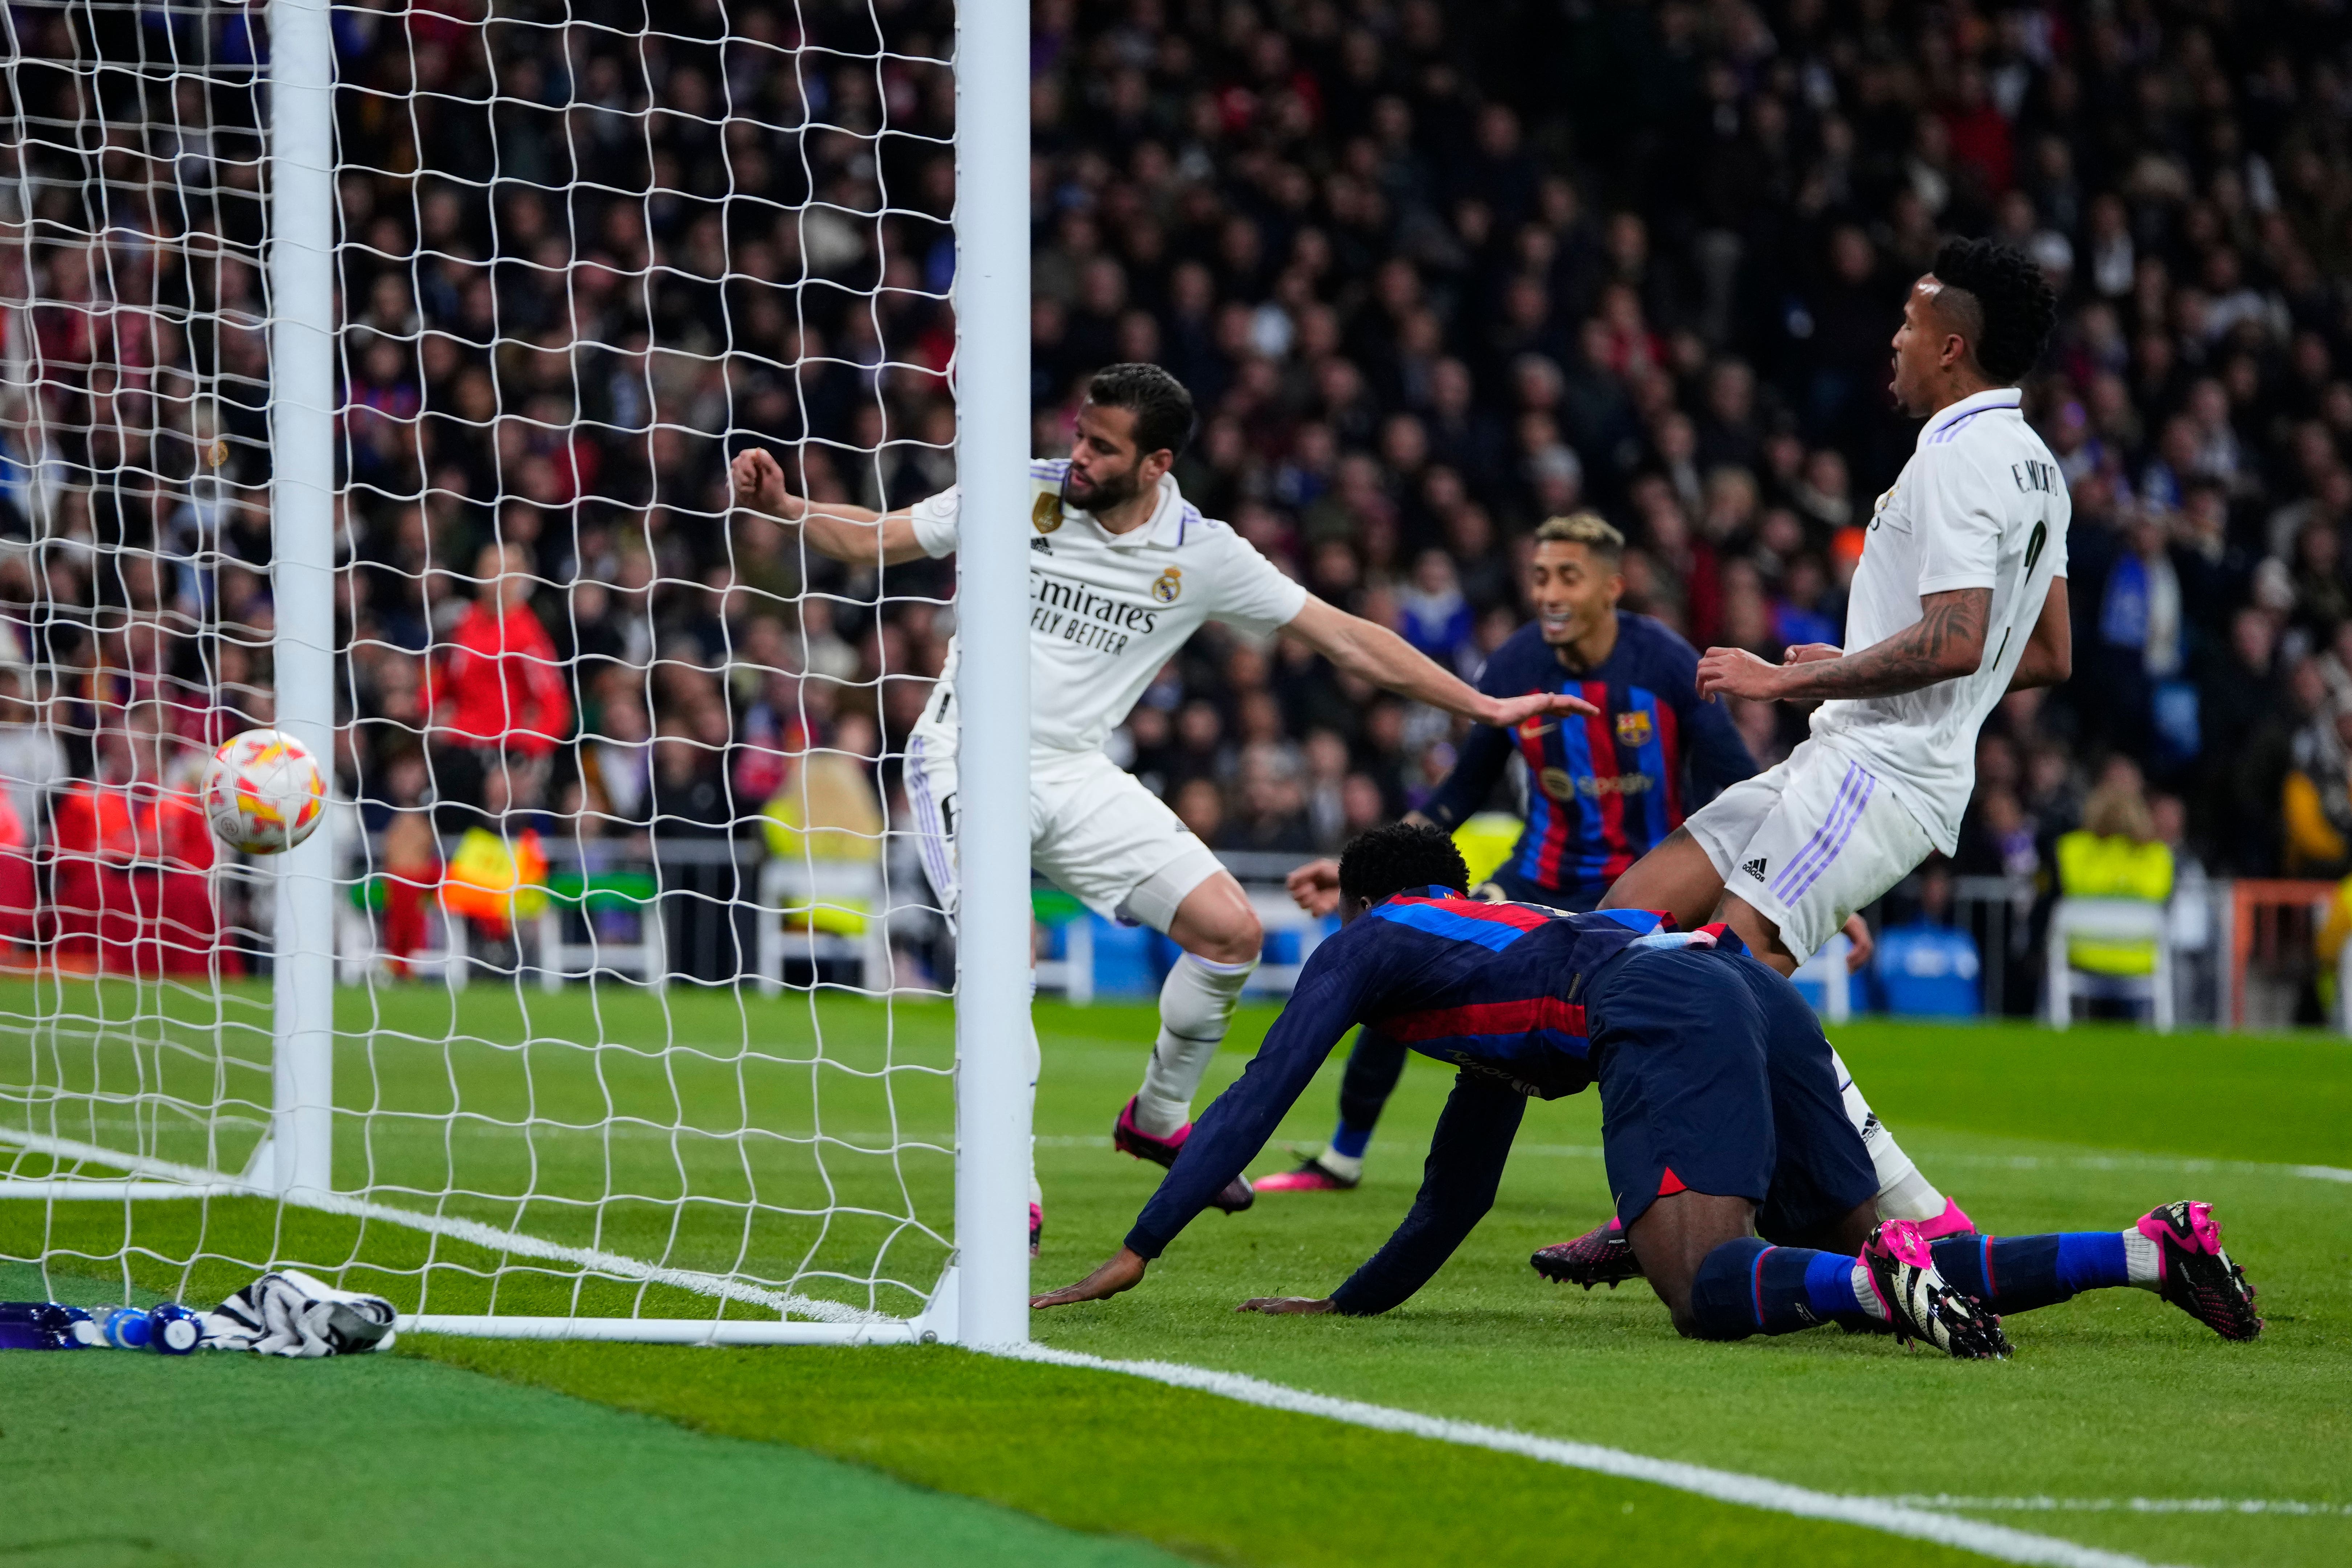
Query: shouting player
(1122, 571)
(1601, 791)
(1720, 1116)
(1959, 598)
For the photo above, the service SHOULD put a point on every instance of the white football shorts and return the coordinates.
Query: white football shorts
(1093, 830)
(1810, 842)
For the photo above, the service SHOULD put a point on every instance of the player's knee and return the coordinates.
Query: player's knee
(1237, 939)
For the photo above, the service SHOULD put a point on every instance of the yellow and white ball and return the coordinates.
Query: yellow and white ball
(264, 792)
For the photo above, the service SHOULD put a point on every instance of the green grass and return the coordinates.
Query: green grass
(2112, 1397)
(122, 1460)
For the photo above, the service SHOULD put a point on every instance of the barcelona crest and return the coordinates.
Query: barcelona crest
(1633, 728)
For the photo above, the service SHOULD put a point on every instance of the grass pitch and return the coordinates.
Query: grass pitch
(2113, 1400)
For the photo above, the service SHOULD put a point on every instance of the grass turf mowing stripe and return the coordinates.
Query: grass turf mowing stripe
(220, 1460)
(1206, 1476)
(1724, 1486)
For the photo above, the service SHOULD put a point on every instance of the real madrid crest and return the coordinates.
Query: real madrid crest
(1168, 585)
(1045, 516)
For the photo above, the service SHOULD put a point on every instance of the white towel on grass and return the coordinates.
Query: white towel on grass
(290, 1313)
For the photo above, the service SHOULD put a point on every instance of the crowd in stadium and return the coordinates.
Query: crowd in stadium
(1433, 274)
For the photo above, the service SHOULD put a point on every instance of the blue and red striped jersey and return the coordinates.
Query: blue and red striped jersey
(1601, 791)
(1494, 988)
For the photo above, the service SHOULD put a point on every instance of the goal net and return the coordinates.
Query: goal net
(610, 999)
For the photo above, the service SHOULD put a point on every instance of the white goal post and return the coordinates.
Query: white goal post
(609, 1134)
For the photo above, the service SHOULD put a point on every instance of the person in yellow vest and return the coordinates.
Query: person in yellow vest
(825, 810)
(2115, 853)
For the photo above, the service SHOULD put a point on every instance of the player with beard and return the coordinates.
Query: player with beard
(1123, 570)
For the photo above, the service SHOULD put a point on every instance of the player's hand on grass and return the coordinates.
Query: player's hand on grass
(1735, 672)
(1812, 652)
(1286, 1306)
(760, 486)
(1857, 931)
(1123, 1272)
(1315, 887)
(1503, 712)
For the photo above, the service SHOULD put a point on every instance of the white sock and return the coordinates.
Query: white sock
(1347, 1168)
(2142, 1261)
(1867, 1294)
(1196, 1005)
(1036, 1061)
(1903, 1192)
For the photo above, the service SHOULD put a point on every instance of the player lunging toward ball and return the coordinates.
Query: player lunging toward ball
(1721, 1117)
(1123, 570)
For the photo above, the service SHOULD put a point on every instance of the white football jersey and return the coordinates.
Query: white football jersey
(1107, 610)
(1981, 504)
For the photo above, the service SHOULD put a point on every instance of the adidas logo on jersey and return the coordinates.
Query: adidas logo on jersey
(1755, 868)
(1041, 546)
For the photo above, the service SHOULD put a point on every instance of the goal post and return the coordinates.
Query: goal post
(992, 434)
(354, 352)
(302, 263)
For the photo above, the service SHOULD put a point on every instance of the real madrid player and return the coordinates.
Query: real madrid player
(1961, 598)
(1123, 570)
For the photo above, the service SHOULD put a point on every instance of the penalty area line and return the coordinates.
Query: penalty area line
(1896, 1516)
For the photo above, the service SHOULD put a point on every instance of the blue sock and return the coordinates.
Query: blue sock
(1749, 1286)
(2019, 1273)
(1350, 1141)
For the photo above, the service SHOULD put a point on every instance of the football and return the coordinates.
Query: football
(264, 792)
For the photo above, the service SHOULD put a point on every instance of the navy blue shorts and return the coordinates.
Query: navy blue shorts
(1519, 889)
(1715, 1077)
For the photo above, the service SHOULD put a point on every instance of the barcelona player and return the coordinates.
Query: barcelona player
(1602, 789)
(1721, 1119)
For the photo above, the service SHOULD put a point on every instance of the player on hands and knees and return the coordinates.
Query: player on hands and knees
(1123, 570)
(1601, 791)
(1720, 1109)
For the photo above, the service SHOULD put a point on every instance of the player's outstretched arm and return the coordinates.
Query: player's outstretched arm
(1945, 643)
(1124, 1271)
(854, 535)
(1372, 651)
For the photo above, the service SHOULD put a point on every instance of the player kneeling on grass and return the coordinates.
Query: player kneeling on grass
(1721, 1107)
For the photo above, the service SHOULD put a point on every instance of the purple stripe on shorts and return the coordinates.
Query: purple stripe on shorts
(1854, 820)
(930, 837)
(1797, 862)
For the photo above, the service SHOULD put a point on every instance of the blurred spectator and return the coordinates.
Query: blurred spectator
(2115, 853)
(1432, 280)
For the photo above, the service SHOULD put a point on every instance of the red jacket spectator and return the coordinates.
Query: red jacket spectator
(496, 680)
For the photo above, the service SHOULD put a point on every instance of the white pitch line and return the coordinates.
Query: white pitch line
(2122, 1504)
(1895, 1516)
(474, 1232)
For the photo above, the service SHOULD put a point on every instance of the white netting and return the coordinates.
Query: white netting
(623, 889)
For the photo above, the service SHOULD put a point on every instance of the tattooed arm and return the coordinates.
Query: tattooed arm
(1946, 641)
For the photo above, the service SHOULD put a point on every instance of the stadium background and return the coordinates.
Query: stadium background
(1433, 274)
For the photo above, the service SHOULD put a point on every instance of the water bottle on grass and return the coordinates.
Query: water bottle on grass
(45, 1326)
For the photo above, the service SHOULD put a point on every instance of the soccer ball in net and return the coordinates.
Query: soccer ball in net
(264, 792)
